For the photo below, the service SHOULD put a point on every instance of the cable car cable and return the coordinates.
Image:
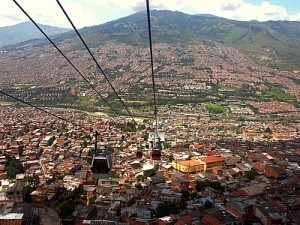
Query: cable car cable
(152, 67)
(85, 79)
(93, 57)
(36, 107)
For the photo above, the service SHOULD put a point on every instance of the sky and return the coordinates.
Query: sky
(93, 12)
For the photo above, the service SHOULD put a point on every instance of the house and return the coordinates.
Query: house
(179, 182)
(12, 213)
(237, 209)
(169, 196)
(164, 169)
(275, 172)
(218, 216)
(137, 216)
(14, 192)
(48, 140)
(244, 168)
(253, 190)
(156, 179)
(268, 214)
(47, 195)
(84, 213)
(3, 146)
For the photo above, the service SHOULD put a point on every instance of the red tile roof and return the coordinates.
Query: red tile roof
(210, 159)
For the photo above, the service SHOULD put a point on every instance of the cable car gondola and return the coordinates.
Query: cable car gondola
(156, 150)
(139, 154)
(101, 165)
(156, 153)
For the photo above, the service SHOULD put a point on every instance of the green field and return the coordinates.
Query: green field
(277, 94)
(215, 109)
(87, 100)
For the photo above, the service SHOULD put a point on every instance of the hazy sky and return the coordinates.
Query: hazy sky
(94, 12)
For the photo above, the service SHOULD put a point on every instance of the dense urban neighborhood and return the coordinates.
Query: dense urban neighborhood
(204, 130)
(210, 171)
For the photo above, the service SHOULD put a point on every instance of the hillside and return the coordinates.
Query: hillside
(193, 60)
(273, 43)
(10, 35)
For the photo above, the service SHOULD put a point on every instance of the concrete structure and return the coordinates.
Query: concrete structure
(189, 166)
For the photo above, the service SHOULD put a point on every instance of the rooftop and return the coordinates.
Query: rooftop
(210, 159)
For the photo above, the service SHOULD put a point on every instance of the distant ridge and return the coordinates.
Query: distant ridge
(25, 31)
(273, 43)
(207, 15)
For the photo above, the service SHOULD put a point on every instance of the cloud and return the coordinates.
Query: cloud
(240, 10)
(295, 17)
(91, 12)
(47, 12)
(12, 17)
(133, 5)
(230, 7)
(140, 5)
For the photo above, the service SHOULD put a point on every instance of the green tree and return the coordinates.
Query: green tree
(200, 185)
(216, 185)
(251, 174)
(141, 177)
(162, 210)
(63, 127)
(194, 195)
(167, 144)
(138, 186)
(208, 204)
(92, 200)
(128, 186)
(118, 210)
(31, 183)
(20, 150)
(171, 158)
(165, 209)
(14, 167)
(268, 130)
(66, 209)
(185, 195)
(149, 173)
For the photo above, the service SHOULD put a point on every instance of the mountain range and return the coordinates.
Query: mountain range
(25, 31)
(197, 58)
(272, 43)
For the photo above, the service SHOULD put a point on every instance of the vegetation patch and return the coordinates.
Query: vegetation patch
(227, 88)
(278, 94)
(86, 100)
(215, 109)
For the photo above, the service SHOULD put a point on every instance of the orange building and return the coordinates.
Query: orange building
(199, 165)
(189, 166)
(249, 134)
(213, 161)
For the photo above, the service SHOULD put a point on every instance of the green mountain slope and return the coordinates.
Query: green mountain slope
(273, 43)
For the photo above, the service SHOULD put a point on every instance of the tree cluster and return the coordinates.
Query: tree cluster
(13, 167)
(127, 127)
(201, 185)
